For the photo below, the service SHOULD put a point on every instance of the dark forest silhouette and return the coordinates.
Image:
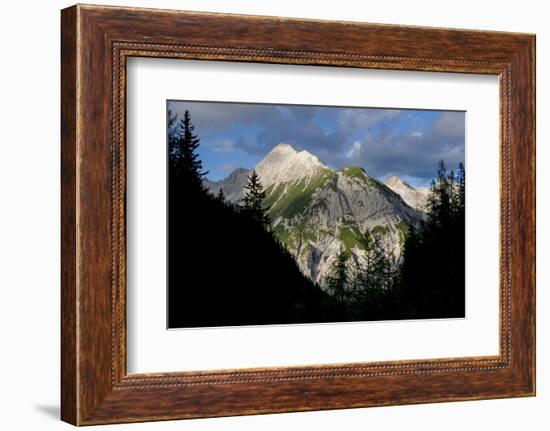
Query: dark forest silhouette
(429, 282)
(226, 268)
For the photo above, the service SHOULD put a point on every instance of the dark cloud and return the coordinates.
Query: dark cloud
(383, 141)
(295, 125)
(362, 118)
(213, 115)
(411, 153)
(450, 124)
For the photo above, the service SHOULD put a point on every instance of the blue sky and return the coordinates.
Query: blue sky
(384, 142)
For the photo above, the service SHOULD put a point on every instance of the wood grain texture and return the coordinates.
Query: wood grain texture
(96, 41)
(69, 366)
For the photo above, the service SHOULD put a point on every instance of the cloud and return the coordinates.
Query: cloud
(223, 146)
(216, 115)
(388, 151)
(400, 142)
(352, 118)
(355, 150)
(450, 124)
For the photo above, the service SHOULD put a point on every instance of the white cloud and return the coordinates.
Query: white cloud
(355, 150)
(223, 146)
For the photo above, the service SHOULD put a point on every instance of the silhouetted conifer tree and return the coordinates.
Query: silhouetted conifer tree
(185, 162)
(338, 278)
(433, 269)
(172, 119)
(439, 201)
(224, 267)
(375, 278)
(253, 201)
(461, 185)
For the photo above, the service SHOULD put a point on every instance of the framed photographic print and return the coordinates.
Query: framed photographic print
(328, 240)
(259, 216)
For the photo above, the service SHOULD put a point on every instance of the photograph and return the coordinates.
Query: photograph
(295, 214)
(277, 210)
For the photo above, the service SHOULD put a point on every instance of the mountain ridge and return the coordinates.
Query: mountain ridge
(284, 164)
(317, 211)
(415, 197)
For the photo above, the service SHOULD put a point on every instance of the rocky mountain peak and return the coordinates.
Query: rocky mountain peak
(414, 197)
(316, 211)
(238, 172)
(283, 149)
(395, 181)
(284, 164)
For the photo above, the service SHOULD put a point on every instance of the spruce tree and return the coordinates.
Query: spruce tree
(172, 119)
(221, 195)
(432, 273)
(453, 194)
(439, 202)
(379, 269)
(461, 185)
(254, 199)
(338, 280)
(185, 163)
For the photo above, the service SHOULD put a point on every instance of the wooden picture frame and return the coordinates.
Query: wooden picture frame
(95, 43)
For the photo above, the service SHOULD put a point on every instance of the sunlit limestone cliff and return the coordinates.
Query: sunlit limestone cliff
(415, 197)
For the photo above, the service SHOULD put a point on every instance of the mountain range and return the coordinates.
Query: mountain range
(316, 211)
(414, 197)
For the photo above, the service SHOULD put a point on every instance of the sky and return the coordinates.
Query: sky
(404, 142)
